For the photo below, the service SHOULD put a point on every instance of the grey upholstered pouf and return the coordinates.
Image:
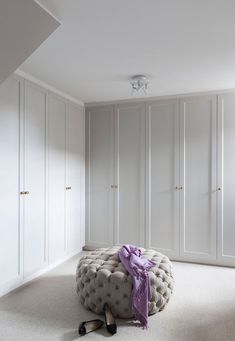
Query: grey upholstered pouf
(102, 278)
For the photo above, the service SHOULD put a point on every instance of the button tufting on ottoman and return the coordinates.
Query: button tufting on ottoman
(102, 278)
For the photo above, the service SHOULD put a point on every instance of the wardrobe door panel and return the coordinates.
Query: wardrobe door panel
(100, 176)
(56, 178)
(164, 176)
(130, 168)
(34, 178)
(83, 176)
(74, 173)
(226, 178)
(198, 177)
(10, 95)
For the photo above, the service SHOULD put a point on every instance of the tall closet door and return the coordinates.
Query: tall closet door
(74, 176)
(130, 174)
(34, 178)
(56, 177)
(83, 177)
(226, 178)
(10, 99)
(164, 192)
(99, 130)
(198, 177)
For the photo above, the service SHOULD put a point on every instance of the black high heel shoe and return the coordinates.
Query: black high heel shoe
(109, 320)
(86, 327)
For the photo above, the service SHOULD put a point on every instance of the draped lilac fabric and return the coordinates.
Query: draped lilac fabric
(138, 268)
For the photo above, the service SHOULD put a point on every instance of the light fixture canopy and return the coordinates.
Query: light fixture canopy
(139, 83)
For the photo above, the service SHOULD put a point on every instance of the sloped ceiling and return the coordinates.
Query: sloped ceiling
(24, 25)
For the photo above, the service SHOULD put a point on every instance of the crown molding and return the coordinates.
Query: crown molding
(158, 98)
(51, 88)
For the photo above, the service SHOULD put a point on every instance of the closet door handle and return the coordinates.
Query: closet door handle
(24, 192)
(179, 187)
(114, 186)
(27, 192)
(219, 189)
(68, 188)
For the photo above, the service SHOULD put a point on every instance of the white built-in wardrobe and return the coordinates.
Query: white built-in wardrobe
(42, 171)
(161, 174)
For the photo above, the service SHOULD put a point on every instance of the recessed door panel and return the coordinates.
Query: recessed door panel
(226, 178)
(10, 94)
(198, 176)
(34, 179)
(130, 169)
(164, 186)
(100, 176)
(74, 176)
(56, 178)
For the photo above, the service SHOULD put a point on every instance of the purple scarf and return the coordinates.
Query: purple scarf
(138, 268)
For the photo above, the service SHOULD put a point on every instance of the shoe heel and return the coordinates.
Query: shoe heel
(109, 320)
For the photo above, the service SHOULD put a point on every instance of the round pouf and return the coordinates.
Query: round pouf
(101, 278)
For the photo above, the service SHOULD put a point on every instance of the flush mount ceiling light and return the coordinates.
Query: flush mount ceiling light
(139, 84)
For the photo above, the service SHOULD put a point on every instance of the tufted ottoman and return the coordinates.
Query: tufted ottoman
(102, 278)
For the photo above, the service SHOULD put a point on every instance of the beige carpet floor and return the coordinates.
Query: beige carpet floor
(201, 309)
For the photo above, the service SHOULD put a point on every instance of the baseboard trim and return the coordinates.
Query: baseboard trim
(92, 247)
(21, 282)
(230, 263)
(89, 248)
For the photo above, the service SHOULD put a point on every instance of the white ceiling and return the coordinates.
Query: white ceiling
(183, 45)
